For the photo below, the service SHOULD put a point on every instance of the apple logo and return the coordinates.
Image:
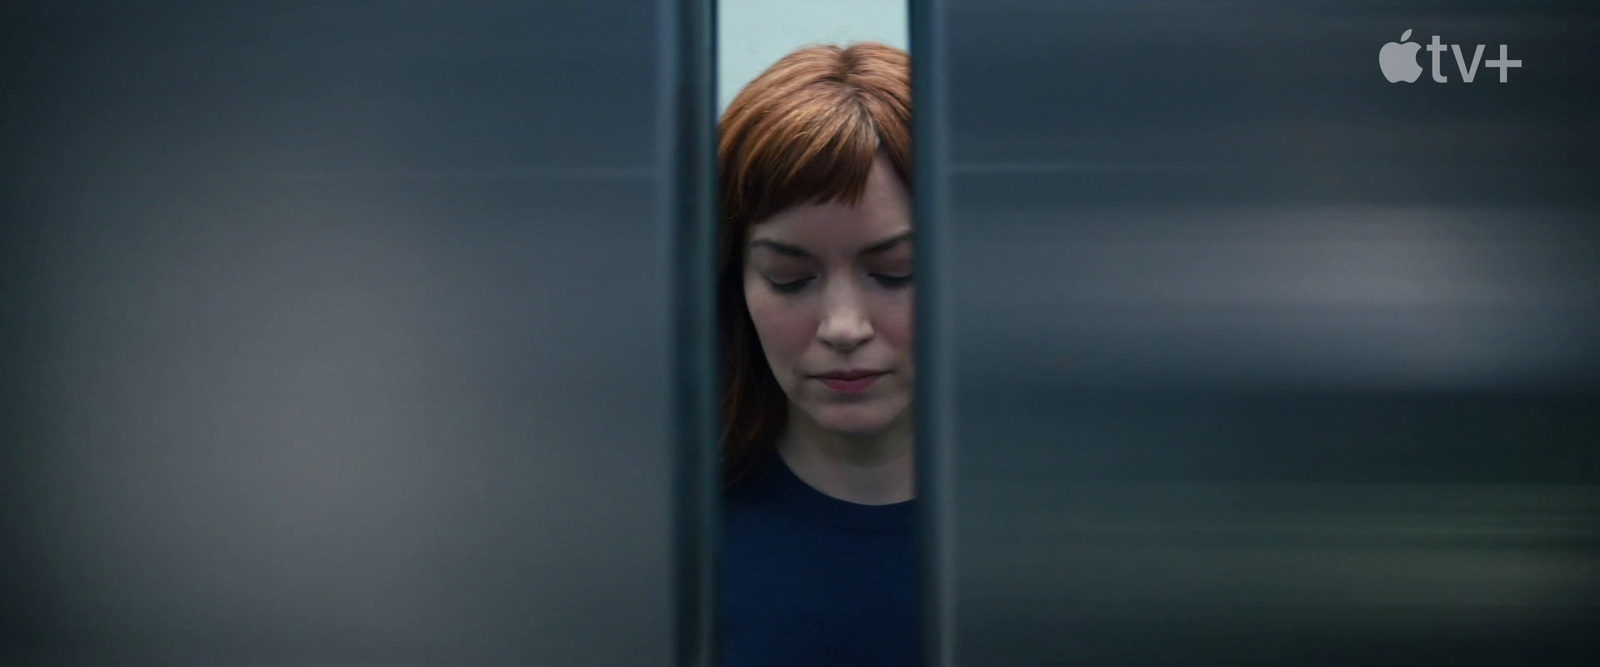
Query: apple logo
(1399, 61)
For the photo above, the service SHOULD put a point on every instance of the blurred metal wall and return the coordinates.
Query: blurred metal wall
(340, 333)
(1245, 355)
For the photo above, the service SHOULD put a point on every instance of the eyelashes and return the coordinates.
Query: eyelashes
(796, 286)
(791, 287)
(892, 282)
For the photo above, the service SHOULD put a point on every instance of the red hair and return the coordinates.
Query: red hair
(806, 131)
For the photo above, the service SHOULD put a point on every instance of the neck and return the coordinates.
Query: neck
(867, 470)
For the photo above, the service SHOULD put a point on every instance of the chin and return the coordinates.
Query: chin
(856, 420)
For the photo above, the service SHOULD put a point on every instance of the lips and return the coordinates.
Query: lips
(850, 382)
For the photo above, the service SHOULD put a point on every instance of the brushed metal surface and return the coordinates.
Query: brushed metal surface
(337, 333)
(1258, 358)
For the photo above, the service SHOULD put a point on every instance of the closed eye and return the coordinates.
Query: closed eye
(790, 287)
(892, 282)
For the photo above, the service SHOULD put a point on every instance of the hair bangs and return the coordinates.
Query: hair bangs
(806, 153)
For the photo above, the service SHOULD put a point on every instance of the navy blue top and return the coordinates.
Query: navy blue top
(810, 580)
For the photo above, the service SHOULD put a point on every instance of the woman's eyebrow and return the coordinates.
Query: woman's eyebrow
(887, 243)
(780, 248)
(796, 251)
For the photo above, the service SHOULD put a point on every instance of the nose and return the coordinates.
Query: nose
(846, 321)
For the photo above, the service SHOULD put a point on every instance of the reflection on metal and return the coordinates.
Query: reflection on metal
(1344, 563)
(935, 391)
(688, 168)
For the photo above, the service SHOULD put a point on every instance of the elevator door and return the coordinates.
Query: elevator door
(337, 333)
(1256, 357)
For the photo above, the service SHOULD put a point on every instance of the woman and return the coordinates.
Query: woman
(815, 272)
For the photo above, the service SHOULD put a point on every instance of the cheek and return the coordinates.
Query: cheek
(784, 326)
(894, 321)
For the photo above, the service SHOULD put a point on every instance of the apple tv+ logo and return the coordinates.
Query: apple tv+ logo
(1398, 60)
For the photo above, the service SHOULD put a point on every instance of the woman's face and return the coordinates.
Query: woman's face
(829, 289)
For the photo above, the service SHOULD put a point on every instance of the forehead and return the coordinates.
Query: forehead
(884, 211)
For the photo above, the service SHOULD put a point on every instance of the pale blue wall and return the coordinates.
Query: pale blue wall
(753, 34)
